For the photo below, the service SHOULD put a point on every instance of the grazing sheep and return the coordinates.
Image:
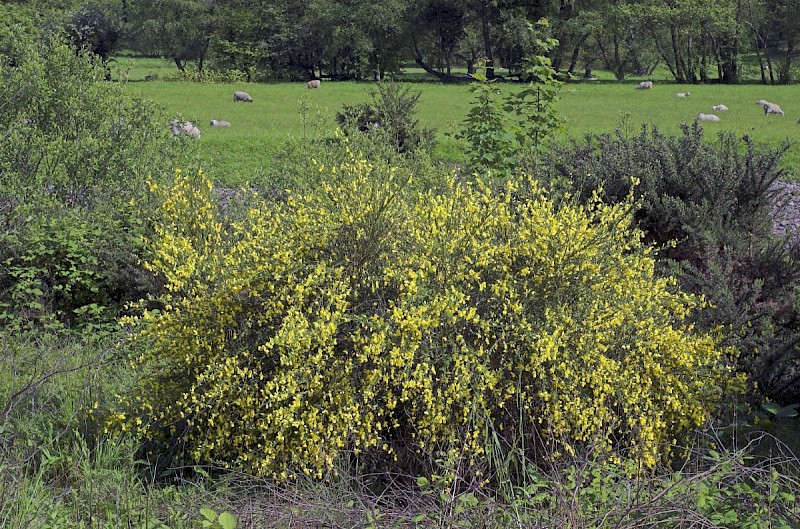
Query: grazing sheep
(719, 107)
(186, 128)
(770, 108)
(242, 96)
(683, 94)
(645, 85)
(707, 117)
(220, 123)
(314, 83)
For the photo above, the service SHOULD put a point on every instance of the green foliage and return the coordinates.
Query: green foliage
(92, 28)
(709, 207)
(487, 130)
(193, 75)
(212, 520)
(369, 318)
(74, 152)
(534, 107)
(505, 133)
(58, 277)
(17, 29)
(390, 114)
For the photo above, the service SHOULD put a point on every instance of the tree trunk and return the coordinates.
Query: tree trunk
(770, 69)
(576, 51)
(680, 66)
(785, 74)
(443, 77)
(604, 55)
(761, 66)
(730, 66)
(619, 67)
(180, 64)
(487, 39)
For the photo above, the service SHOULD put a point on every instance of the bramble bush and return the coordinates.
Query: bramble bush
(367, 318)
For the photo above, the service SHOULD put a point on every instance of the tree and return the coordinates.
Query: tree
(92, 28)
(613, 36)
(16, 28)
(177, 29)
(756, 19)
(437, 36)
(382, 23)
(690, 33)
(785, 18)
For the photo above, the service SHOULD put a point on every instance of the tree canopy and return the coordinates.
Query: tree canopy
(697, 41)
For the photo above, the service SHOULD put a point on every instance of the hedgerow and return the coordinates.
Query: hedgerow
(369, 318)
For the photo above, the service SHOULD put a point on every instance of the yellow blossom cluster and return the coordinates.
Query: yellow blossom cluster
(367, 316)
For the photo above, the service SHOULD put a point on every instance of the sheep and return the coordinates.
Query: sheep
(220, 123)
(770, 108)
(645, 85)
(186, 128)
(314, 83)
(719, 107)
(242, 96)
(707, 117)
(683, 94)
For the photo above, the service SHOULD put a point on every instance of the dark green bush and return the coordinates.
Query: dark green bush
(708, 206)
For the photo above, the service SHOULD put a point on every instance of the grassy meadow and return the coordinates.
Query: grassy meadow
(282, 111)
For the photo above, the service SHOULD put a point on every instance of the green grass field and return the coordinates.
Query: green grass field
(243, 151)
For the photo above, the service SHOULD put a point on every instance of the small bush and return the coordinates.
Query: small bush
(368, 318)
(390, 115)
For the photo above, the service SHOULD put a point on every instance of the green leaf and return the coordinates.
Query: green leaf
(209, 514)
(422, 482)
(781, 411)
(227, 520)
(469, 499)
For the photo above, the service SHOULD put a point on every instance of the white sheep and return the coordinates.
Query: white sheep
(220, 123)
(645, 85)
(186, 128)
(242, 96)
(314, 83)
(719, 107)
(770, 108)
(707, 117)
(683, 94)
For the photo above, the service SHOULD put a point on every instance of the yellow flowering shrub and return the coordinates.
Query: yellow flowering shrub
(368, 317)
